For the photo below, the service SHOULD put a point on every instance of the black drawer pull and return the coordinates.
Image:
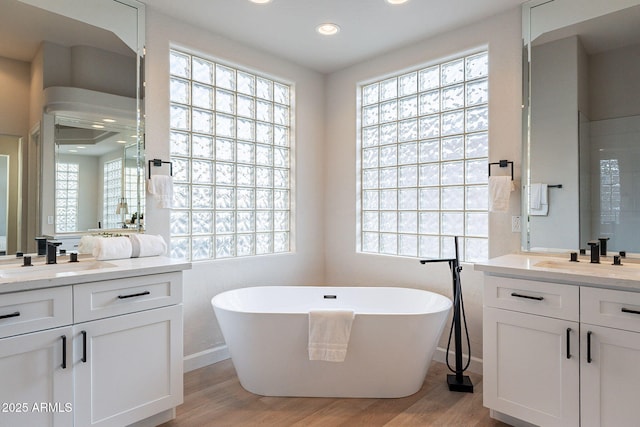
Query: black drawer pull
(6, 316)
(134, 295)
(628, 310)
(84, 346)
(589, 347)
(513, 294)
(568, 343)
(64, 351)
(330, 296)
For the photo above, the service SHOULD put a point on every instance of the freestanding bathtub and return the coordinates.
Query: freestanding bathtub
(393, 336)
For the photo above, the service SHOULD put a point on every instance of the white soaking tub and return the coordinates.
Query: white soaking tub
(394, 334)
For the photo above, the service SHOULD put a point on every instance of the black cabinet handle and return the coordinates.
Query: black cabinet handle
(134, 295)
(513, 294)
(6, 316)
(568, 343)
(84, 346)
(64, 351)
(589, 346)
(628, 310)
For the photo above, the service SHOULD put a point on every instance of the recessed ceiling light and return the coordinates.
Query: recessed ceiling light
(80, 147)
(397, 1)
(328, 29)
(260, 1)
(121, 141)
(73, 151)
(108, 120)
(97, 126)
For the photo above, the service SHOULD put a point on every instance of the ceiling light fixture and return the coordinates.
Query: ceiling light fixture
(97, 126)
(260, 1)
(328, 29)
(397, 1)
(108, 120)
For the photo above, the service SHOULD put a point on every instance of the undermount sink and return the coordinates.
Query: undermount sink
(39, 270)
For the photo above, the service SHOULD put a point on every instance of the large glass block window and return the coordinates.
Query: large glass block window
(423, 161)
(67, 179)
(112, 192)
(231, 153)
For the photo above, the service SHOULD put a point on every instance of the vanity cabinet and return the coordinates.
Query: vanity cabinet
(610, 369)
(561, 354)
(103, 353)
(531, 351)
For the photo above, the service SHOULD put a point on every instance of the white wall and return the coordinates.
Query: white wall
(502, 35)
(305, 266)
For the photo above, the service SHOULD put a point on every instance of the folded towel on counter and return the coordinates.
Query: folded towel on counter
(85, 246)
(143, 245)
(106, 248)
(500, 188)
(538, 200)
(161, 187)
(329, 332)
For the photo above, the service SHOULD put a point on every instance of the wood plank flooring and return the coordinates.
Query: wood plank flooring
(213, 397)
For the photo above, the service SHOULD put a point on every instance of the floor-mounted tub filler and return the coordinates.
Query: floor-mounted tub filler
(393, 335)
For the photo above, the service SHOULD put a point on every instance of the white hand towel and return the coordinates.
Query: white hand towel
(85, 246)
(500, 188)
(161, 187)
(329, 332)
(539, 201)
(147, 245)
(105, 248)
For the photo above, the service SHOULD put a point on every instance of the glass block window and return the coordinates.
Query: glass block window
(610, 199)
(67, 179)
(231, 152)
(131, 190)
(112, 192)
(423, 161)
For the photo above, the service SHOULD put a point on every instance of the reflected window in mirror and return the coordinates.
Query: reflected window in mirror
(67, 183)
(231, 151)
(112, 214)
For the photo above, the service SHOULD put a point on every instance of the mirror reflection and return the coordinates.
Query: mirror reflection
(62, 66)
(585, 132)
(98, 160)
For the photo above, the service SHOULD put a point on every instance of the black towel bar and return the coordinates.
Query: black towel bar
(158, 163)
(502, 164)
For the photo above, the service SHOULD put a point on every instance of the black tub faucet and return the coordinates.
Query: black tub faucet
(52, 248)
(595, 251)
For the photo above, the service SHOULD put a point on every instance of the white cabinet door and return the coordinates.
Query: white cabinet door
(132, 367)
(531, 367)
(610, 377)
(37, 382)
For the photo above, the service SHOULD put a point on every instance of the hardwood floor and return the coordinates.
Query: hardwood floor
(213, 397)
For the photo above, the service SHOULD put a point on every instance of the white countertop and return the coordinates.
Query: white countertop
(14, 277)
(560, 269)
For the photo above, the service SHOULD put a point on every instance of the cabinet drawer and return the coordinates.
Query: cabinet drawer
(23, 312)
(615, 309)
(530, 296)
(97, 300)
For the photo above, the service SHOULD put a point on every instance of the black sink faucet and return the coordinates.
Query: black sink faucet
(603, 245)
(52, 248)
(595, 251)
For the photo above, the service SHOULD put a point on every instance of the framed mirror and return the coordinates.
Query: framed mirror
(67, 68)
(581, 143)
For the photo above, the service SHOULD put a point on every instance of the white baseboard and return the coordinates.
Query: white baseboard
(440, 356)
(220, 353)
(206, 357)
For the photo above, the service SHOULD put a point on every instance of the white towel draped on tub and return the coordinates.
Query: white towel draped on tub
(105, 248)
(161, 187)
(329, 332)
(539, 200)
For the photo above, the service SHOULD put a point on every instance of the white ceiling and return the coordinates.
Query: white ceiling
(286, 28)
